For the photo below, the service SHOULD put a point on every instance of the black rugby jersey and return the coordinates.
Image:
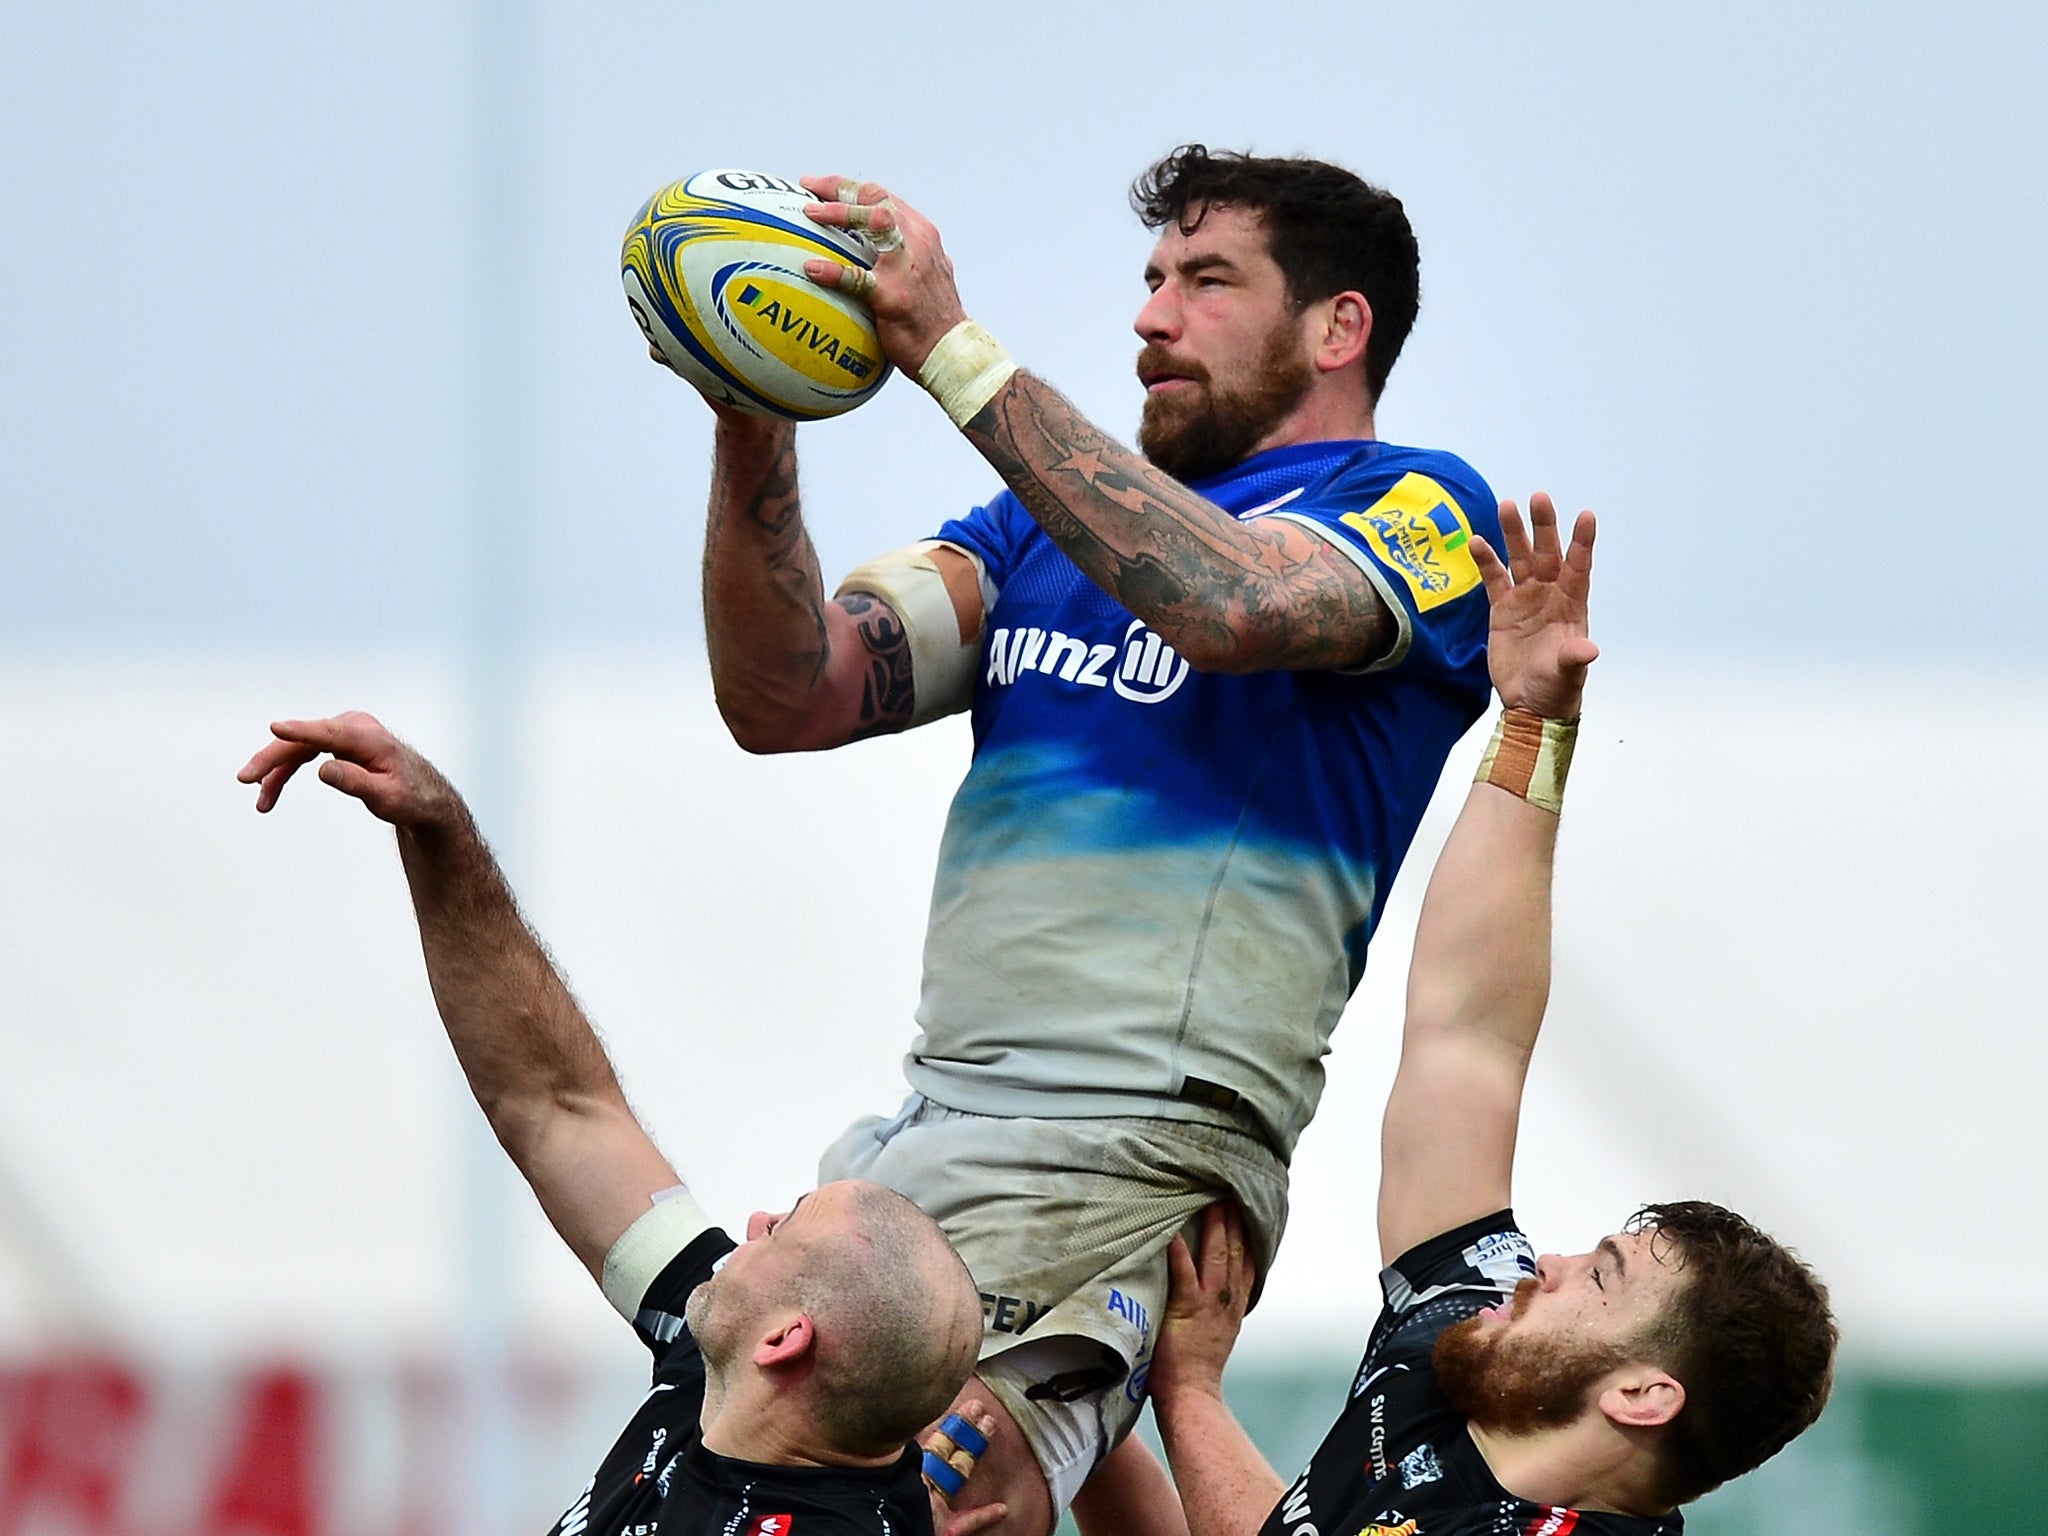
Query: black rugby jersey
(659, 1480)
(1398, 1461)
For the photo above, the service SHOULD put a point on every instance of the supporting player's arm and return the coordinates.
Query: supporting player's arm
(536, 1067)
(793, 670)
(1230, 596)
(1226, 1486)
(1480, 978)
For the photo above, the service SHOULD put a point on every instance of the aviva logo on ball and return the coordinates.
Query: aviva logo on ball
(713, 272)
(796, 324)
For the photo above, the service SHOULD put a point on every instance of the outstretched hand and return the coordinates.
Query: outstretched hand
(1205, 1306)
(367, 762)
(1536, 647)
(910, 287)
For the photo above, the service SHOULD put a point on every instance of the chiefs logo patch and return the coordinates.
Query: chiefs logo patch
(770, 1525)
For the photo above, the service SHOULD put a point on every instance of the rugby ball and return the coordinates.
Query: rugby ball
(714, 274)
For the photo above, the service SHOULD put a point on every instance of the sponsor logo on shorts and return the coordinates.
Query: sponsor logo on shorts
(1145, 669)
(1420, 533)
(1010, 1314)
(1552, 1522)
(1135, 1383)
(770, 1525)
(1131, 1310)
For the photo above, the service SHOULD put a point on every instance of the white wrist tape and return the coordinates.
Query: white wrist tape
(645, 1248)
(941, 666)
(965, 370)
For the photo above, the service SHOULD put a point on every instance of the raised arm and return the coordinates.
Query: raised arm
(1480, 977)
(1229, 596)
(793, 670)
(535, 1065)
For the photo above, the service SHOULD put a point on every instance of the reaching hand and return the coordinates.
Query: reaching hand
(910, 287)
(1205, 1306)
(1536, 647)
(369, 763)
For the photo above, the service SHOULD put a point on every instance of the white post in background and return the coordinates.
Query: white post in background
(497, 563)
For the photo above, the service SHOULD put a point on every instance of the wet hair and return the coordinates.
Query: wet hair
(1747, 1332)
(1330, 232)
(898, 1319)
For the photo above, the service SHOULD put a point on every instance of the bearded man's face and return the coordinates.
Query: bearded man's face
(1515, 1383)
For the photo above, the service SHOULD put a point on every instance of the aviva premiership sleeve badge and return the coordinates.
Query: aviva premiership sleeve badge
(1418, 531)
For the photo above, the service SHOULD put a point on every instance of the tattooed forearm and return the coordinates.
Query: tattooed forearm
(888, 696)
(791, 670)
(760, 571)
(765, 623)
(1231, 596)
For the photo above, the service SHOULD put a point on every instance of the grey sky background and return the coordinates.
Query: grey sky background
(1758, 282)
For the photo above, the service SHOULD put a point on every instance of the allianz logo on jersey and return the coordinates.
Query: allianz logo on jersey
(1144, 669)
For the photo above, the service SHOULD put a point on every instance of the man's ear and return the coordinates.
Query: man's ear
(1346, 327)
(787, 1343)
(1642, 1397)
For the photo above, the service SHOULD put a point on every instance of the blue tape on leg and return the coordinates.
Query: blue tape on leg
(944, 1476)
(963, 1434)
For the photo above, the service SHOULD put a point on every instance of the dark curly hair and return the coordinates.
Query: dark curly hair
(1329, 230)
(1749, 1335)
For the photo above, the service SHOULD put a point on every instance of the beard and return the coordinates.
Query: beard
(1517, 1385)
(1202, 431)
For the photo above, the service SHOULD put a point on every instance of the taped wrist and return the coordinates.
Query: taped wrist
(965, 370)
(1529, 756)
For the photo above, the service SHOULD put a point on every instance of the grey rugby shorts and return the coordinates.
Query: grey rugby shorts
(1064, 1225)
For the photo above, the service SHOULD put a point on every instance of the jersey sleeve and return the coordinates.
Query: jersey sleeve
(993, 534)
(1445, 1280)
(1409, 527)
(651, 1270)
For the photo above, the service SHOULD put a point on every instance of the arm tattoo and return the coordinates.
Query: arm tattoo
(1257, 596)
(761, 507)
(888, 696)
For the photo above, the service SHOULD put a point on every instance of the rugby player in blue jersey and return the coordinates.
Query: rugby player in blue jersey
(1502, 1391)
(1212, 688)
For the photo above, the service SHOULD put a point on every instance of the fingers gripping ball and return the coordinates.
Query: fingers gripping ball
(950, 1455)
(713, 268)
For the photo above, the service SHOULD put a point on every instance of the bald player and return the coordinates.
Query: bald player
(792, 1370)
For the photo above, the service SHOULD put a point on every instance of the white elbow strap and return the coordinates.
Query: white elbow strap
(965, 370)
(909, 581)
(645, 1248)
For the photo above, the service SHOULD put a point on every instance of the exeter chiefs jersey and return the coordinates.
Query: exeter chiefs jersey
(1398, 1461)
(659, 1480)
(1156, 885)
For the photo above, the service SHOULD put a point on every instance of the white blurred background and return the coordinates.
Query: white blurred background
(319, 392)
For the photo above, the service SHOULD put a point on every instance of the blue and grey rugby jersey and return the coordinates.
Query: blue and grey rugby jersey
(1156, 885)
